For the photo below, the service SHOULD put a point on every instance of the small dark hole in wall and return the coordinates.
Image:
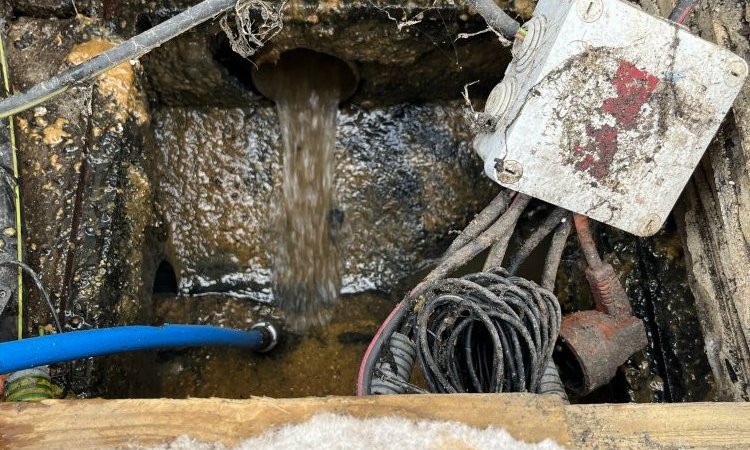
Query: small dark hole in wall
(165, 281)
(237, 66)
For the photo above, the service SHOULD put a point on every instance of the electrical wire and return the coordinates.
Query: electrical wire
(486, 332)
(370, 358)
(484, 219)
(682, 11)
(16, 192)
(496, 17)
(68, 376)
(588, 246)
(552, 221)
(502, 328)
(498, 249)
(497, 231)
(551, 383)
(38, 283)
(554, 254)
(133, 48)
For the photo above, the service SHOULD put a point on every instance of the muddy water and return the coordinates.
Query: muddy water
(322, 362)
(306, 264)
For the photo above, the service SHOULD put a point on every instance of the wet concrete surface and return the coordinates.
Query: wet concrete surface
(405, 178)
(401, 52)
(82, 183)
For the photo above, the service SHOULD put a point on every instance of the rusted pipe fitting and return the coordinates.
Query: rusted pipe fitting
(609, 295)
(593, 345)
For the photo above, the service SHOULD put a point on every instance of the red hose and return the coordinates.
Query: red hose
(587, 240)
(366, 357)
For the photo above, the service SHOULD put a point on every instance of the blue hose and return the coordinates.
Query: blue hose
(57, 348)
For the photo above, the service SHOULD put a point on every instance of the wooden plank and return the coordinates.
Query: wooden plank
(636, 426)
(95, 424)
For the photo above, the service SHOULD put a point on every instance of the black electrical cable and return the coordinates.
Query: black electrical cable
(38, 282)
(554, 254)
(68, 376)
(481, 222)
(497, 231)
(133, 48)
(485, 332)
(498, 249)
(536, 238)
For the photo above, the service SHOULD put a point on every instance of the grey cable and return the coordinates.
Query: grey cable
(497, 252)
(133, 48)
(496, 18)
(557, 216)
(551, 384)
(484, 219)
(554, 255)
(504, 225)
(395, 367)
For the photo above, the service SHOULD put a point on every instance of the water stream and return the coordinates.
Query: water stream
(307, 88)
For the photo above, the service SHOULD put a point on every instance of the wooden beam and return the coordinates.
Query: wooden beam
(96, 424)
(676, 425)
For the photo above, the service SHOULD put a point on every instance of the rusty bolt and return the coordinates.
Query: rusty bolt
(590, 10)
(508, 171)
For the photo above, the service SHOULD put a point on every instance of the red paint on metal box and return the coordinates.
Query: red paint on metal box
(634, 88)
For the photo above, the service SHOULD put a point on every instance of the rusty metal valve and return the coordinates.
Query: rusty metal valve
(593, 344)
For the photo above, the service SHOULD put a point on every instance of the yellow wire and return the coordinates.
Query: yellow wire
(16, 191)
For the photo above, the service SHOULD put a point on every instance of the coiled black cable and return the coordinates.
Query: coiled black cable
(485, 332)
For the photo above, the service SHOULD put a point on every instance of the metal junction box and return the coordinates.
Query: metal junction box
(606, 110)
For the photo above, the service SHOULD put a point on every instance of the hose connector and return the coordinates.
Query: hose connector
(30, 385)
(269, 333)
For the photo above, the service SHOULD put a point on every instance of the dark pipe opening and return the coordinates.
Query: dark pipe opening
(570, 369)
(319, 69)
(165, 280)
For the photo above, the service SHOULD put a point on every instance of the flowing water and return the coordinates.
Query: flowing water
(307, 278)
